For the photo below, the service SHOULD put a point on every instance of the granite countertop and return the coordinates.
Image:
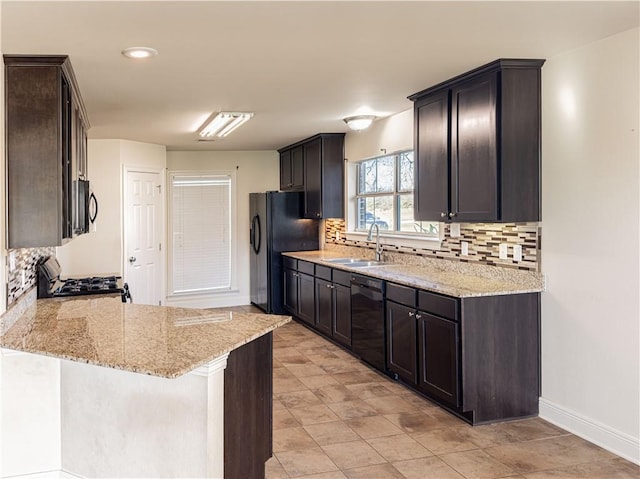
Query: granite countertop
(156, 340)
(439, 276)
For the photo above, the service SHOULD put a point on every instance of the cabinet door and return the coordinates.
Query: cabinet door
(401, 341)
(342, 314)
(431, 189)
(474, 156)
(306, 298)
(297, 168)
(290, 287)
(285, 170)
(324, 306)
(313, 179)
(438, 357)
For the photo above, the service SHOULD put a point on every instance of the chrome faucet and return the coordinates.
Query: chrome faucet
(379, 249)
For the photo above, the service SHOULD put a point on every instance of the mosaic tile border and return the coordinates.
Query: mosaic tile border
(483, 240)
(26, 259)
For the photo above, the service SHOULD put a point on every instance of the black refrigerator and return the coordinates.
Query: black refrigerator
(277, 226)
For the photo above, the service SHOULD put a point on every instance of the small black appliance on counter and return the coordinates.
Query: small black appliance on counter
(51, 286)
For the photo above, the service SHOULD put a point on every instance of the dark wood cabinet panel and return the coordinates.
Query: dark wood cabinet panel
(46, 126)
(342, 315)
(474, 155)
(431, 130)
(438, 357)
(290, 288)
(292, 169)
(248, 391)
(324, 306)
(306, 298)
(316, 165)
(489, 167)
(401, 341)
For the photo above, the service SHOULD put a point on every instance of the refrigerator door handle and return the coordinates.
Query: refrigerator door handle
(255, 226)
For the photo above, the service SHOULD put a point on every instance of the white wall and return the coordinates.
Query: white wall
(256, 171)
(393, 133)
(100, 251)
(590, 200)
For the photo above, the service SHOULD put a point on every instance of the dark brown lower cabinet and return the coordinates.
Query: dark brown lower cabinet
(342, 315)
(290, 289)
(248, 389)
(401, 342)
(324, 306)
(438, 346)
(306, 298)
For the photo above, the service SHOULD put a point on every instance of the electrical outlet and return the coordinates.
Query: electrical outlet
(504, 251)
(12, 261)
(24, 278)
(454, 230)
(465, 248)
(517, 252)
(337, 235)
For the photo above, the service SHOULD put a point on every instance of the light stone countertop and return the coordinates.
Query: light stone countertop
(440, 276)
(156, 340)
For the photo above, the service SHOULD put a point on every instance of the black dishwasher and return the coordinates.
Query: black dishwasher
(367, 320)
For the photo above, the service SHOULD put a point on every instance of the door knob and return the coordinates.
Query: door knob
(132, 259)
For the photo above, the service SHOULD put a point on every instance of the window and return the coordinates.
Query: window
(201, 240)
(384, 195)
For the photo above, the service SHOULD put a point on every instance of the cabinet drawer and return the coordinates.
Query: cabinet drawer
(342, 277)
(323, 272)
(401, 294)
(290, 263)
(444, 306)
(306, 267)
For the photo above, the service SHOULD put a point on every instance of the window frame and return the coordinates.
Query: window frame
(233, 237)
(396, 195)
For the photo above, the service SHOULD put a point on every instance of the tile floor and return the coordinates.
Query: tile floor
(333, 417)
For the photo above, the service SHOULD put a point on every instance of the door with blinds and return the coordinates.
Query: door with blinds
(200, 214)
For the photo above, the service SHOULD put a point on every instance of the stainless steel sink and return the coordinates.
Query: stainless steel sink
(356, 262)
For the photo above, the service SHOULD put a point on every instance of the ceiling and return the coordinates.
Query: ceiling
(301, 66)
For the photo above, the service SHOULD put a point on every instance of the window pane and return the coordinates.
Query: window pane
(407, 223)
(376, 176)
(405, 173)
(378, 210)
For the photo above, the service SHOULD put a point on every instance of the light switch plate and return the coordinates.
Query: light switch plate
(517, 252)
(465, 248)
(503, 251)
(454, 230)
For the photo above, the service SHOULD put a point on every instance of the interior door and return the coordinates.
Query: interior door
(143, 236)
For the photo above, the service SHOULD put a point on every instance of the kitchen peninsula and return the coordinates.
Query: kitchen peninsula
(128, 390)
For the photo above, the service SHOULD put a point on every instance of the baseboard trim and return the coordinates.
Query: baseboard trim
(612, 440)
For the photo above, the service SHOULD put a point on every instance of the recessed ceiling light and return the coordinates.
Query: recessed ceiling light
(139, 52)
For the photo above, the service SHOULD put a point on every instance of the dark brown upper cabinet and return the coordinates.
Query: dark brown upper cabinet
(46, 149)
(477, 143)
(292, 169)
(322, 172)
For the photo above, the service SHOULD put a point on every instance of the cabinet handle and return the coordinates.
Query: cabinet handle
(452, 214)
(328, 286)
(418, 316)
(318, 215)
(443, 215)
(411, 313)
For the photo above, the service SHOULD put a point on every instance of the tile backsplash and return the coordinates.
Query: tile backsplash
(483, 240)
(26, 259)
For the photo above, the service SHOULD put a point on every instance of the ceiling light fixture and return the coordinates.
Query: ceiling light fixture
(139, 52)
(223, 123)
(359, 122)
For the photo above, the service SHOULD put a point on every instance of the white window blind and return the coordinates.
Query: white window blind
(201, 228)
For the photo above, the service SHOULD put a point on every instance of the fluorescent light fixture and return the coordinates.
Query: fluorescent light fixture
(223, 123)
(360, 122)
(139, 52)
